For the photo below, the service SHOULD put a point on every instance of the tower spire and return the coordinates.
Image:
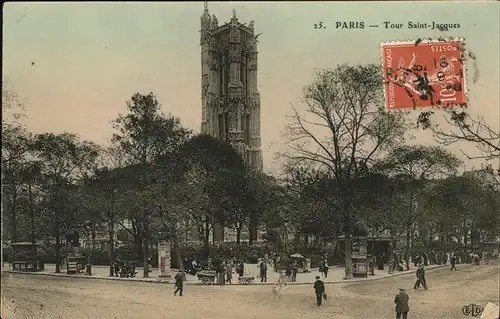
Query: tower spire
(205, 3)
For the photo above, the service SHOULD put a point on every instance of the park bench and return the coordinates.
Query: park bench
(246, 280)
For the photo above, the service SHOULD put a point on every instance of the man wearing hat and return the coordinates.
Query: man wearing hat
(319, 289)
(401, 302)
(420, 278)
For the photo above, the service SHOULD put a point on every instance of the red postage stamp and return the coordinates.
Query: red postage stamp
(423, 74)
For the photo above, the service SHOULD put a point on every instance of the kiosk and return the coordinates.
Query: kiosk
(24, 257)
(360, 265)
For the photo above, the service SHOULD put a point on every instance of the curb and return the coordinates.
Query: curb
(151, 280)
(160, 281)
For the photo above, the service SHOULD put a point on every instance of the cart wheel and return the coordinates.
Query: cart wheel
(205, 281)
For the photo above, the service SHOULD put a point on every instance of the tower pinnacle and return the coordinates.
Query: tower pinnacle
(205, 3)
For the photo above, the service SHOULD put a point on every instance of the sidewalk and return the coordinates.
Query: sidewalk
(335, 275)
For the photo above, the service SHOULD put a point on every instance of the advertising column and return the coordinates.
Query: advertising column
(164, 259)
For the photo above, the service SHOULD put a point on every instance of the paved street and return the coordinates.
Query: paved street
(29, 296)
(335, 274)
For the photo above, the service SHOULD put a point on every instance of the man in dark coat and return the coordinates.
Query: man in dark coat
(402, 307)
(263, 271)
(319, 290)
(179, 284)
(420, 278)
(453, 261)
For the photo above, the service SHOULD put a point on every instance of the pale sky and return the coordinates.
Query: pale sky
(89, 58)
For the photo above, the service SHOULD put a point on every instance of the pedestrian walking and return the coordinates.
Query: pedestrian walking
(179, 284)
(402, 307)
(325, 268)
(420, 278)
(319, 290)
(294, 271)
(453, 261)
(229, 273)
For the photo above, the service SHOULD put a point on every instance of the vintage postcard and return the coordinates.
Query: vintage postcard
(237, 160)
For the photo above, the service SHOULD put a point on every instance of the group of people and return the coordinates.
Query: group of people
(224, 268)
(323, 266)
(124, 269)
(433, 258)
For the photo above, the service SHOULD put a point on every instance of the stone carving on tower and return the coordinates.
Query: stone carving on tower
(230, 96)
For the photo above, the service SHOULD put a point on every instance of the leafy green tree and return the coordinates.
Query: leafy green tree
(217, 176)
(314, 211)
(276, 200)
(459, 206)
(16, 143)
(144, 135)
(101, 200)
(63, 160)
(413, 166)
(263, 198)
(343, 130)
(32, 187)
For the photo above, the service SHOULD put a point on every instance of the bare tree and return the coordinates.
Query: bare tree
(461, 126)
(344, 129)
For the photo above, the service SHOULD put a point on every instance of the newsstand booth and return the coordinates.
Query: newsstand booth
(360, 266)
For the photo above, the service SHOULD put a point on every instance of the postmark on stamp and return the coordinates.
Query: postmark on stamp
(423, 74)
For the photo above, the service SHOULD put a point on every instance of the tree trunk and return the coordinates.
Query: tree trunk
(253, 227)
(13, 219)
(58, 249)
(408, 243)
(348, 255)
(251, 237)
(348, 230)
(94, 235)
(138, 246)
(441, 248)
(145, 251)
(111, 232)
(32, 219)
(466, 239)
(374, 253)
(238, 236)
(392, 247)
(207, 231)
(222, 230)
(177, 249)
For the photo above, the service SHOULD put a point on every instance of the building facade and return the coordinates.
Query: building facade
(229, 90)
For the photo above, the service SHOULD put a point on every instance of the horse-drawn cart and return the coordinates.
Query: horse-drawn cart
(207, 277)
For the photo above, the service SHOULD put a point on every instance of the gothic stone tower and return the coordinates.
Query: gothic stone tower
(230, 98)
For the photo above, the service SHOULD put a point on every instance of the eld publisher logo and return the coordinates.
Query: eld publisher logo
(472, 310)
